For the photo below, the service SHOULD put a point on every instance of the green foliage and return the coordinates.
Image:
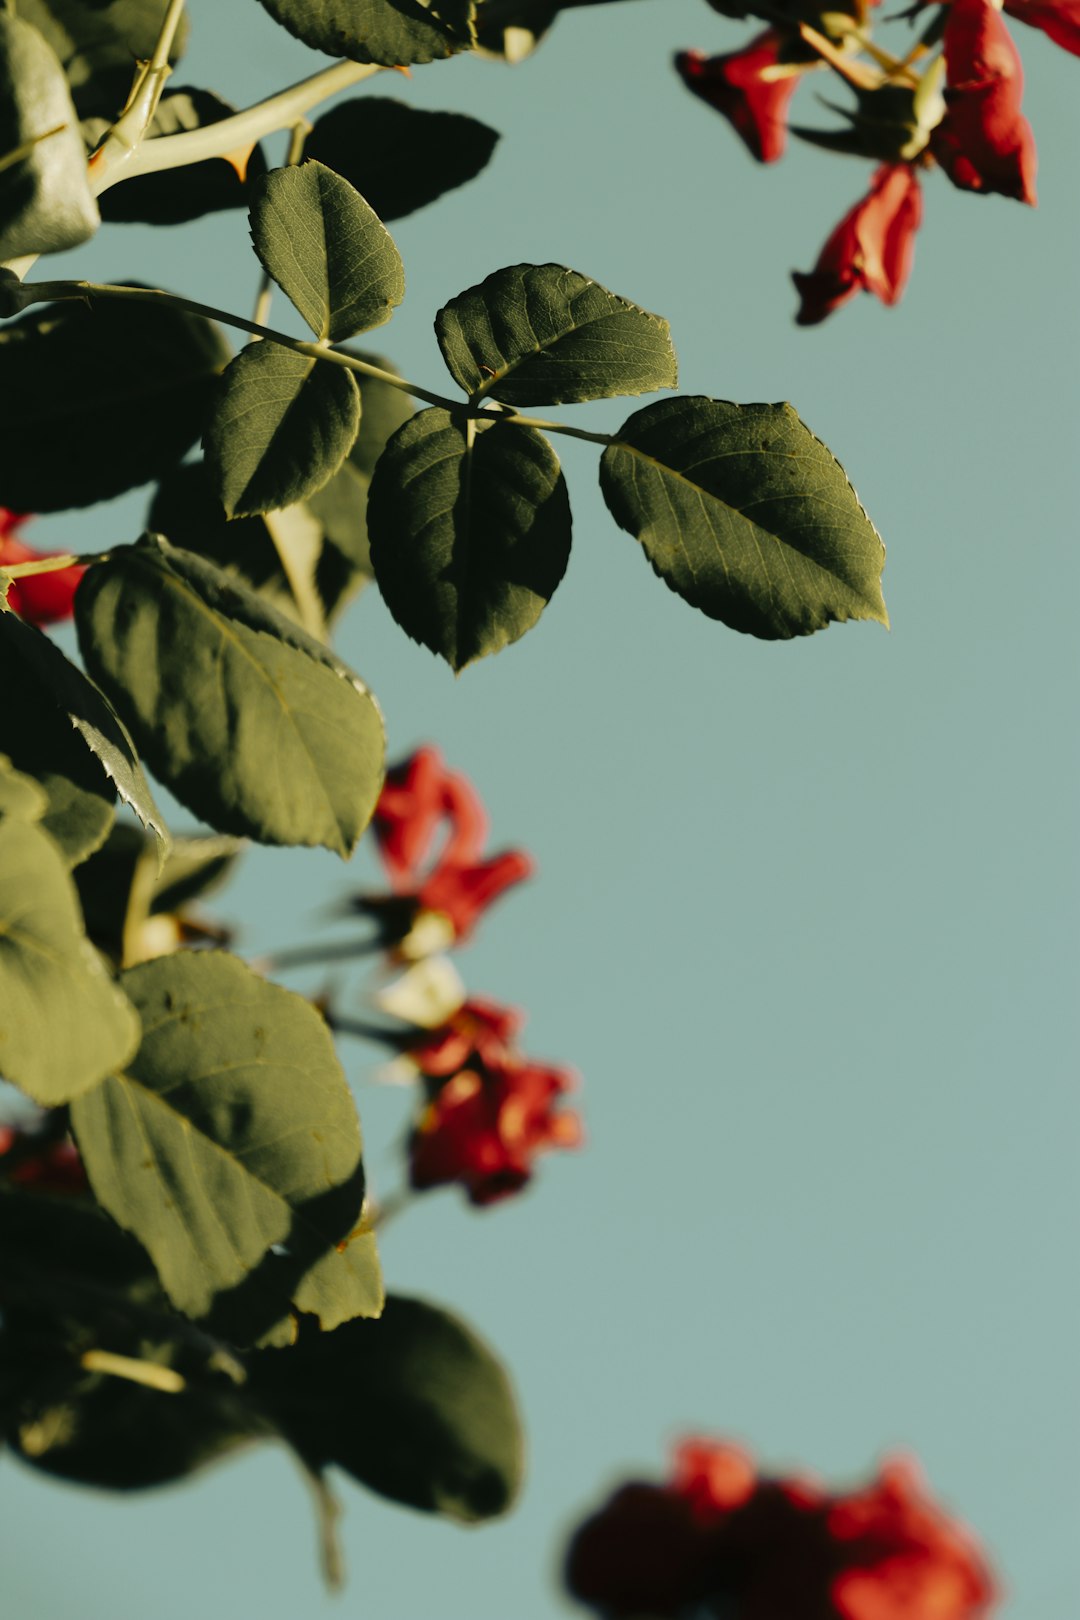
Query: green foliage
(422, 1411)
(253, 724)
(386, 31)
(539, 334)
(470, 532)
(95, 401)
(327, 250)
(231, 1131)
(98, 42)
(174, 196)
(683, 475)
(280, 428)
(65, 733)
(64, 1022)
(400, 158)
(45, 199)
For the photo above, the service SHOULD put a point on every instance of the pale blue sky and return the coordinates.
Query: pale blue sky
(806, 913)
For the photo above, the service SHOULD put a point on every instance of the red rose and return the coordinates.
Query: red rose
(751, 88)
(439, 906)
(1059, 19)
(984, 142)
(723, 1538)
(484, 1125)
(39, 598)
(871, 249)
(477, 1030)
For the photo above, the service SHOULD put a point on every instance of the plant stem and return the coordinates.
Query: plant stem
(313, 955)
(50, 565)
(556, 427)
(115, 153)
(243, 129)
(149, 1373)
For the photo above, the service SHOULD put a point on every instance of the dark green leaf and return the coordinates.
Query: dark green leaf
(280, 428)
(20, 796)
(174, 195)
(230, 1133)
(45, 199)
(63, 1022)
(744, 513)
(468, 542)
(194, 868)
(64, 732)
(254, 725)
(96, 401)
(399, 157)
(390, 32)
(327, 250)
(539, 334)
(414, 1405)
(99, 42)
(121, 888)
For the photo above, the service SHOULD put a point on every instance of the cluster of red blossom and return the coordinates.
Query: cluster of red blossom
(958, 108)
(487, 1109)
(39, 598)
(722, 1540)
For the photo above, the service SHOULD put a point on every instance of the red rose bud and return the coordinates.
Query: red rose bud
(871, 249)
(40, 1165)
(37, 598)
(419, 795)
(483, 1127)
(478, 1031)
(751, 88)
(1059, 19)
(726, 1540)
(984, 142)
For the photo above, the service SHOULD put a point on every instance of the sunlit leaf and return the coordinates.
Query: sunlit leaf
(744, 513)
(253, 724)
(385, 31)
(540, 334)
(469, 538)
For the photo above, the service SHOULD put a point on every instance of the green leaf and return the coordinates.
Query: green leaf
(398, 157)
(744, 513)
(539, 334)
(231, 1133)
(98, 44)
(96, 401)
(327, 250)
(390, 32)
(64, 732)
(468, 541)
(415, 1406)
(20, 796)
(63, 1023)
(45, 199)
(253, 724)
(280, 428)
(121, 888)
(173, 196)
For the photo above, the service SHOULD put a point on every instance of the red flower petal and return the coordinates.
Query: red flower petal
(871, 249)
(1058, 19)
(737, 87)
(984, 142)
(39, 598)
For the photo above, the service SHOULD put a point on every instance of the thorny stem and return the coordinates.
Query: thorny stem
(243, 129)
(42, 291)
(116, 152)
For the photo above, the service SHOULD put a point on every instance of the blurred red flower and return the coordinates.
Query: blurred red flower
(39, 598)
(439, 906)
(984, 142)
(871, 249)
(1058, 19)
(484, 1124)
(47, 1166)
(478, 1030)
(721, 1538)
(751, 88)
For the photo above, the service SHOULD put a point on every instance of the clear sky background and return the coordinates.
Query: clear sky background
(806, 914)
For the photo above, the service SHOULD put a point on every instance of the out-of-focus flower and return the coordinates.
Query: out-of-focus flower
(38, 598)
(721, 1538)
(871, 249)
(1058, 19)
(437, 907)
(478, 1032)
(30, 1161)
(984, 142)
(751, 88)
(483, 1126)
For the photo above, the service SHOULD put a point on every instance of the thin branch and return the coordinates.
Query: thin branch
(151, 1374)
(115, 153)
